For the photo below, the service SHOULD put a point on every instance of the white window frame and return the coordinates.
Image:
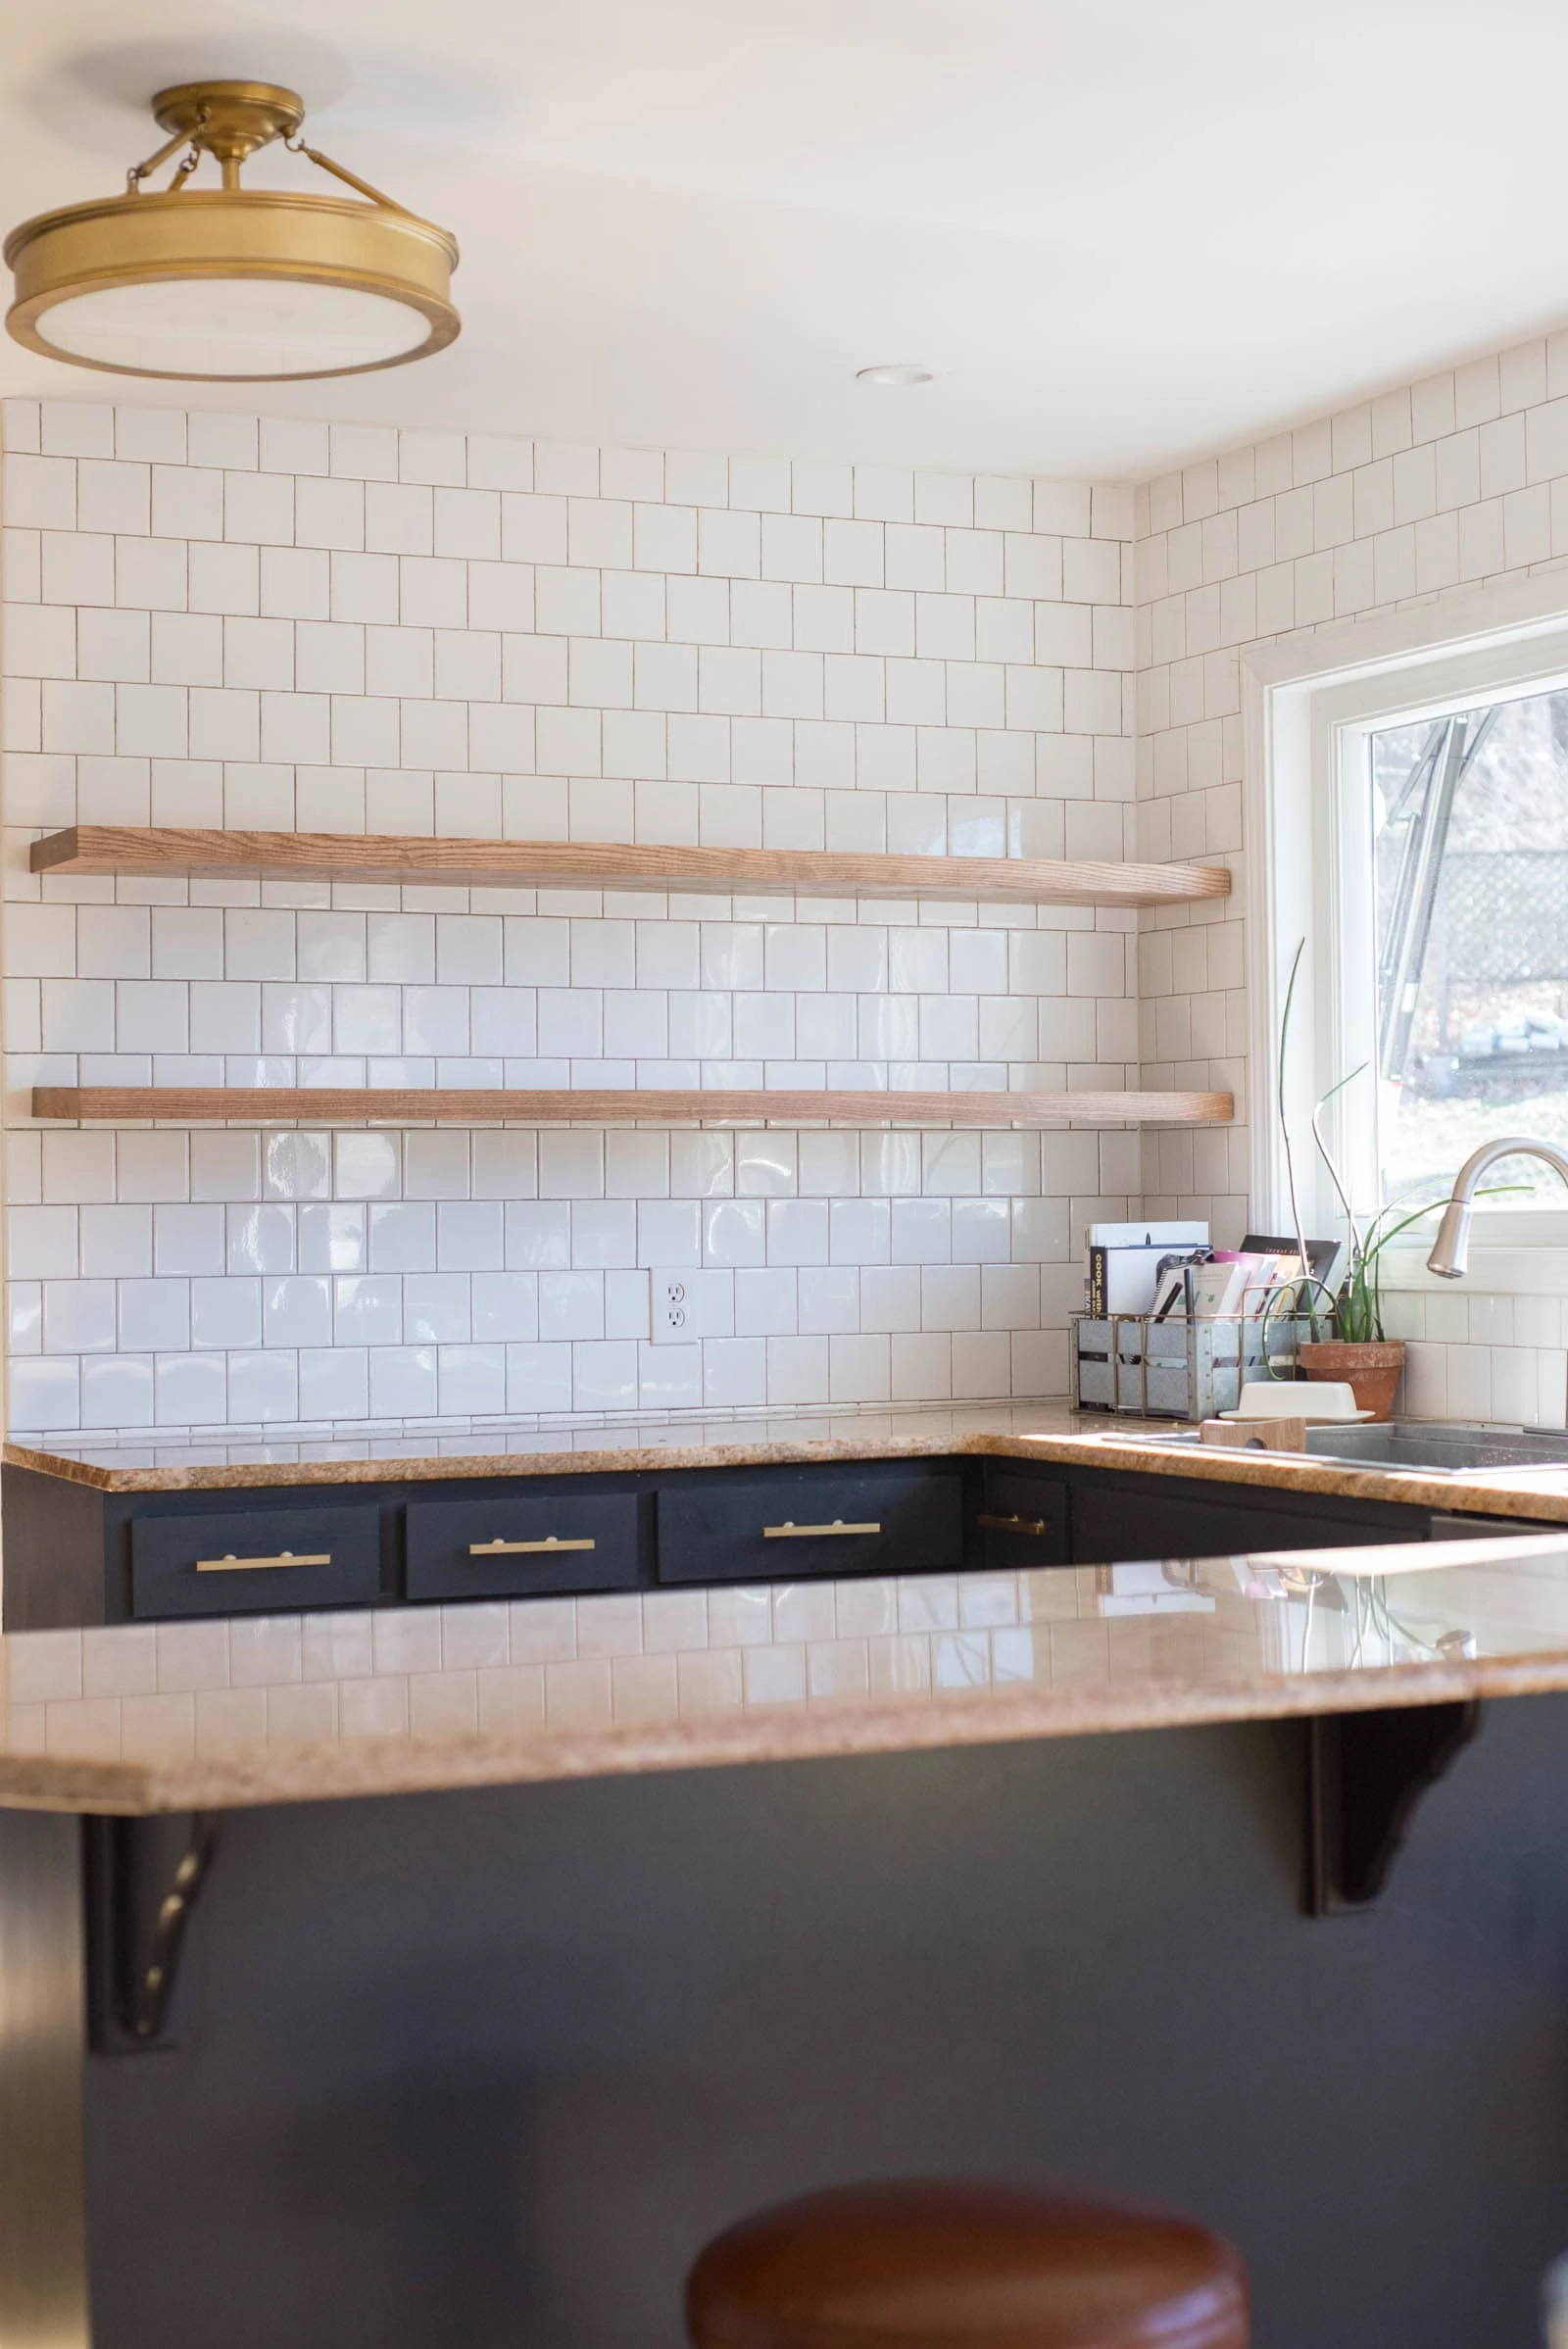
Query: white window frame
(1309, 699)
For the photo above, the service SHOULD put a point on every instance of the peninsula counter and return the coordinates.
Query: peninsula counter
(438, 1973)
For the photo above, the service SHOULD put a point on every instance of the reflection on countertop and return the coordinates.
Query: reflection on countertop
(296, 1708)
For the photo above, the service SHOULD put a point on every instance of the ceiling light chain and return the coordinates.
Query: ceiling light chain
(296, 145)
(142, 170)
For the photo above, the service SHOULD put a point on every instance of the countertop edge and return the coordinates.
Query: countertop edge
(432, 1467)
(1491, 1496)
(834, 1730)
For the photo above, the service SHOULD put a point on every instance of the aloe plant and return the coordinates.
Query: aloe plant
(1308, 1284)
(1357, 1307)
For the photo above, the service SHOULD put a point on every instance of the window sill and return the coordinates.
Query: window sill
(1527, 1261)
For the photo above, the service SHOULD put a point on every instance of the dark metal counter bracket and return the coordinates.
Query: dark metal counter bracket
(1366, 1775)
(144, 1877)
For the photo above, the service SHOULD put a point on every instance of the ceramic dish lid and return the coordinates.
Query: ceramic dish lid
(1317, 1399)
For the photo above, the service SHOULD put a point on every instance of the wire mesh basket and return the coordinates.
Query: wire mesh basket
(1180, 1368)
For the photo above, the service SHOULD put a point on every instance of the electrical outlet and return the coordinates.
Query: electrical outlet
(693, 1304)
(673, 1309)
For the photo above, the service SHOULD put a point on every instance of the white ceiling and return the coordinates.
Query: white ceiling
(1122, 231)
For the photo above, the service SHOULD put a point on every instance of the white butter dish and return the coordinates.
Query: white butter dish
(1315, 1400)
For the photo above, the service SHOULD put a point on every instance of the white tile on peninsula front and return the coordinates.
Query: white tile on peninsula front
(864, 1609)
(49, 1666)
(443, 1704)
(802, 1612)
(739, 1616)
(644, 1688)
(337, 1648)
(543, 1631)
(710, 1682)
(838, 1668)
(511, 1697)
(121, 1663)
(226, 1719)
(578, 1695)
(192, 1655)
(406, 1641)
(773, 1674)
(476, 1637)
(674, 1620)
(266, 1650)
(373, 1708)
(92, 1728)
(960, 1660)
(305, 1715)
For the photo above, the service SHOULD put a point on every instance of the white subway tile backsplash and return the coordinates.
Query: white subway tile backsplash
(222, 619)
(1448, 479)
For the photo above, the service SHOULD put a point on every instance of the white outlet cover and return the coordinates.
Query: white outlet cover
(692, 1304)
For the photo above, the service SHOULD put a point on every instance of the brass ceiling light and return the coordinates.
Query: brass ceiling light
(233, 283)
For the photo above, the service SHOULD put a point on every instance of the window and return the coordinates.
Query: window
(1469, 819)
(1408, 828)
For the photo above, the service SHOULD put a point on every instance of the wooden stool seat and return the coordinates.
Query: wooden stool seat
(960, 2264)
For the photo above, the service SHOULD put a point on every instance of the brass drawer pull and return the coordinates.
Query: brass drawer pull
(1014, 1525)
(789, 1530)
(286, 1557)
(512, 1549)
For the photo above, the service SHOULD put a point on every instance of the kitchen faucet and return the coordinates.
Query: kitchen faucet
(1450, 1251)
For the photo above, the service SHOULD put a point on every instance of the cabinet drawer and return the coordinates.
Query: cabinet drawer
(809, 1521)
(1024, 1521)
(256, 1561)
(521, 1545)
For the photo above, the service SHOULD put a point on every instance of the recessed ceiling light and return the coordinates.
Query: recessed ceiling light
(897, 371)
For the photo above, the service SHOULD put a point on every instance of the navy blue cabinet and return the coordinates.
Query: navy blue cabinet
(256, 1561)
(522, 1543)
(785, 1524)
(76, 1554)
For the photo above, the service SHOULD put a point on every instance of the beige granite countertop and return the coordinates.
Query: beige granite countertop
(582, 1443)
(1050, 1431)
(292, 1708)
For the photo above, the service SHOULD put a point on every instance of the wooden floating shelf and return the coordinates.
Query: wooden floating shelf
(413, 860)
(288, 1104)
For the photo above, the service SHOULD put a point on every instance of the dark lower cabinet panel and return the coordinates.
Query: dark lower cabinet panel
(256, 1561)
(57, 1574)
(1144, 1517)
(487, 2069)
(811, 1521)
(522, 1544)
(75, 1555)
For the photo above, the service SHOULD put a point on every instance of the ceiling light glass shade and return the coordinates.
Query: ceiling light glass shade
(265, 328)
(233, 283)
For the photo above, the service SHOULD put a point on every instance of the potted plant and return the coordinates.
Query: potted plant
(1363, 1355)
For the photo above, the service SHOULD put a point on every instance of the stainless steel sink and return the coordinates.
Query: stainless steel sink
(1433, 1443)
(1430, 1447)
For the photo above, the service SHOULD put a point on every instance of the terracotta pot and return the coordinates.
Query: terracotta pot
(1373, 1370)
